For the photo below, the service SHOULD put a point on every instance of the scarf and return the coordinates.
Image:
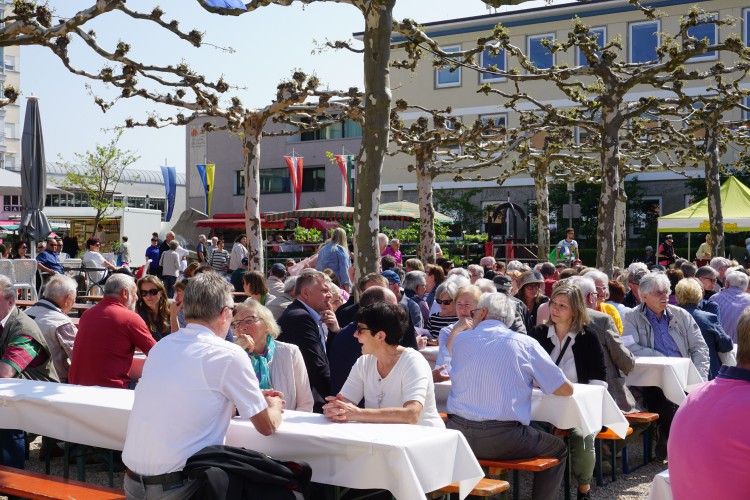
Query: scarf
(260, 363)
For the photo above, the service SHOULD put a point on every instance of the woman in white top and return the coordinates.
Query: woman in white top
(94, 258)
(395, 382)
(278, 365)
(239, 252)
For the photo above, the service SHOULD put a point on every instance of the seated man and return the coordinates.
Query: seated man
(108, 335)
(47, 261)
(494, 416)
(732, 301)
(718, 450)
(198, 377)
(656, 328)
(23, 354)
(51, 316)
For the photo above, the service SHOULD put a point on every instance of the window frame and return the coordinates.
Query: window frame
(713, 55)
(485, 78)
(438, 85)
(601, 41)
(529, 39)
(632, 226)
(631, 38)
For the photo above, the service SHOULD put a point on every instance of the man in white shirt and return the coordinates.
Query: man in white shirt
(192, 382)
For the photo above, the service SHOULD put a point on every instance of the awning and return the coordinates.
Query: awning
(234, 221)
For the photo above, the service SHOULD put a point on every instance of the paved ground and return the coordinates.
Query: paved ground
(630, 487)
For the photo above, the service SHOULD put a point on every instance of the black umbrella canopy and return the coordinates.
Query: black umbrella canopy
(34, 223)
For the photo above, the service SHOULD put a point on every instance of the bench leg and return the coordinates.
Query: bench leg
(613, 457)
(516, 485)
(598, 462)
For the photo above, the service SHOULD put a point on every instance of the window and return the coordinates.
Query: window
(539, 55)
(747, 26)
(2, 58)
(10, 131)
(276, 180)
(344, 130)
(647, 215)
(644, 39)
(12, 203)
(10, 63)
(709, 32)
(498, 120)
(746, 114)
(444, 77)
(488, 60)
(601, 40)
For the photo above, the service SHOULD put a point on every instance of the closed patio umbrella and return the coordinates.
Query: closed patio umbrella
(34, 224)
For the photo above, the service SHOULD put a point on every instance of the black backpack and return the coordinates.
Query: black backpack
(226, 472)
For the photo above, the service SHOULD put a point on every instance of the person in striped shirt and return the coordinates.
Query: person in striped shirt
(219, 258)
(493, 373)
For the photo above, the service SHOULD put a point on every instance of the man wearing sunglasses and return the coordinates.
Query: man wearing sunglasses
(47, 261)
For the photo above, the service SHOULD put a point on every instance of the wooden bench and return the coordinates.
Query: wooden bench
(607, 435)
(533, 464)
(639, 418)
(35, 486)
(486, 487)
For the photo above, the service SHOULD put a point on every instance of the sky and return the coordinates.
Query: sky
(269, 44)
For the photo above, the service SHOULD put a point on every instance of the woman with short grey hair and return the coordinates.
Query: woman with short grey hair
(444, 297)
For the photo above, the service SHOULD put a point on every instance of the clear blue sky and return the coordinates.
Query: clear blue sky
(270, 43)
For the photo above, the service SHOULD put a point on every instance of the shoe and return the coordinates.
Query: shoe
(52, 451)
(584, 496)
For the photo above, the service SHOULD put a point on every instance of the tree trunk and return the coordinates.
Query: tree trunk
(610, 158)
(713, 190)
(377, 43)
(541, 188)
(426, 211)
(621, 231)
(251, 161)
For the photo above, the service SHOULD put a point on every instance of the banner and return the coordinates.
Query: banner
(206, 173)
(170, 185)
(346, 164)
(296, 172)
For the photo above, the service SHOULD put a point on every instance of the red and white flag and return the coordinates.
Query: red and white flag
(295, 166)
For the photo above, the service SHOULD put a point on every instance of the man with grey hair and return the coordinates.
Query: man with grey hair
(475, 272)
(656, 328)
(732, 301)
(302, 325)
(636, 272)
(489, 359)
(708, 276)
(23, 354)
(201, 249)
(720, 265)
(278, 304)
(108, 335)
(415, 287)
(198, 377)
(51, 316)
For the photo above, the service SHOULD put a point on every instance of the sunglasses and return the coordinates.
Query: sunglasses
(23, 247)
(153, 292)
(446, 302)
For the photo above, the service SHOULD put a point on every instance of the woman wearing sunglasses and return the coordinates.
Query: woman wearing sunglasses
(444, 297)
(278, 365)
(20, 249)
(467, 299)
(153, 306)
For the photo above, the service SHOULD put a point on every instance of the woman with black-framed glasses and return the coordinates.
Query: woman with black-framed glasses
(278, 365)
(153, 306)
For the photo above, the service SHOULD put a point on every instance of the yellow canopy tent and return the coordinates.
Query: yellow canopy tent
(735, 206)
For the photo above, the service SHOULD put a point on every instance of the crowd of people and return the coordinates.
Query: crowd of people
(308, 337)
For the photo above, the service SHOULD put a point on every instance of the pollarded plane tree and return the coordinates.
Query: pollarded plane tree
(597, 94)
(441, 144)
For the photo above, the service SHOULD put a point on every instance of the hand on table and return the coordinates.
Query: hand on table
(439, 374)
(339, 410)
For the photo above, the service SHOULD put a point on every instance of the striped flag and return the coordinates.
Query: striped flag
(295, 166)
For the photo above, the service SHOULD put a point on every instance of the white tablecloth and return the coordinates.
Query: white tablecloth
(430, 353)
(399, 458)
(590, 408)
(675, 376)
(660, 487)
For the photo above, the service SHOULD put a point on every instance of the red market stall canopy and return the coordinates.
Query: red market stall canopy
(235, 221)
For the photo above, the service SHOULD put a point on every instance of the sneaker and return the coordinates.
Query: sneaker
(584, 496)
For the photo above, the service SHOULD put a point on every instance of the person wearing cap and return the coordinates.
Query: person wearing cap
(276, 276)
(530, 293)
(666, 252)
(567, 249)
(648, 257)
(334, 255)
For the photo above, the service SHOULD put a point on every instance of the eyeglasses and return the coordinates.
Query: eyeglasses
(659, 293)
(23, 247)
(153, 292)
(361, 329)
(446, 302)
(712, 280)
(250, 320)
(473, 312)
(231, 309)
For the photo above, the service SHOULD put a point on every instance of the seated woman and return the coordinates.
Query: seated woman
(153, 306)
(444, 296)
(577, 351)
(94, 258)
(467, 298)
(254, 284)
(278, 365)
(395, 382)
(531, 293)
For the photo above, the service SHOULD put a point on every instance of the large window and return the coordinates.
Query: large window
(341, 130)
(10, 131)
(539, 55)
(648, 215)
(444, 77)
(10, 63)
(601, 40)
(710, 33)
(11, 203)
(276, 180)
(644, 39)
(496, 62)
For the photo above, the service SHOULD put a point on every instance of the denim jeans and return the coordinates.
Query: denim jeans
(12, 448)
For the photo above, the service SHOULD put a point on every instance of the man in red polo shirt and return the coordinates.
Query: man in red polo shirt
(107, 337)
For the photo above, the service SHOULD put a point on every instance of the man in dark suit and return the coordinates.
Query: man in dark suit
(302, 324)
